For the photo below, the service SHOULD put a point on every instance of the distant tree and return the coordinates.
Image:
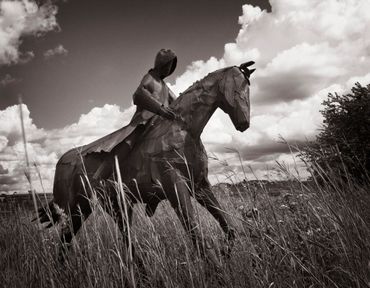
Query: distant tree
(343, 145)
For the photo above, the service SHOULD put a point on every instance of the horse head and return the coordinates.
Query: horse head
(234, 94)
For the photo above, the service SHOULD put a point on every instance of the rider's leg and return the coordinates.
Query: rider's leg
(106, 168)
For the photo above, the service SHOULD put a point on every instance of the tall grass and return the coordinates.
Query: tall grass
(291, 234)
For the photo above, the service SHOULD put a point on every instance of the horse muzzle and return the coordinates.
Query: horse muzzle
(242, 126)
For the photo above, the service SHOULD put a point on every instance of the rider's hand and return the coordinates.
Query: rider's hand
(167, 112)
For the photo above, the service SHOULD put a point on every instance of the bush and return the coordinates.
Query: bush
(343, 145)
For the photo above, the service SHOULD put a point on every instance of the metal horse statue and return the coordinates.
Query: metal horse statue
(165, 163)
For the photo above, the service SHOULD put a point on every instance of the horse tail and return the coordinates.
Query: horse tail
(63, 194)
(50, 213)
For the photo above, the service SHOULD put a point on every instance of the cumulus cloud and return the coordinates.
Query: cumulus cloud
(10, 127)
(99, 122)
(3, 170)
(58, 50)
(303, 50)
(305, 47)
(225, 167)
(45, 147)
(195, 71)
(21, 18)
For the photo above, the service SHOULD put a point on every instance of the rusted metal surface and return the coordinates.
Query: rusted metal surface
(168, 159)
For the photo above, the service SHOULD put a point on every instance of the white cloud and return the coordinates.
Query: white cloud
(99, 122)
(3, 142)
(21, 18)
(58, 50)
(303, 50)
(11, 126)
(194, 72)
(3, 170)
(46, 146)
(363, 80)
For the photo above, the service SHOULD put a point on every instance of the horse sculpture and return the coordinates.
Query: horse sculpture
(165, 163)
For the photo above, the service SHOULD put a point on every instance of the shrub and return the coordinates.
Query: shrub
(343, 145)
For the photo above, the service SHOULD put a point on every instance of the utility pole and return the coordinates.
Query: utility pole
(27, 171)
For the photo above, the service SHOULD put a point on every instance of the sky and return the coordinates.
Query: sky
(76, 63)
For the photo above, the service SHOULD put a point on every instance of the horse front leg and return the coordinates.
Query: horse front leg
(207, 199)
(178, 194)
(181, 203)
(78, 214)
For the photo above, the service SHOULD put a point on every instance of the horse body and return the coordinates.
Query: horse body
(171, 145)
(169, 162)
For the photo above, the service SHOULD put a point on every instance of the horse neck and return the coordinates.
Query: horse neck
(197, 104)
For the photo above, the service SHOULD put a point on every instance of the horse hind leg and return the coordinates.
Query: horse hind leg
(115, 207)
(77, 217)
(179, 198)
(80, 211)
(69, 231)
(151, 206)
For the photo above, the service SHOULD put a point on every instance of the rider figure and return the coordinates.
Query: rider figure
(151, 97)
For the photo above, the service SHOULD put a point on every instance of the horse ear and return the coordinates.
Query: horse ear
(245, 70)
(246, 64)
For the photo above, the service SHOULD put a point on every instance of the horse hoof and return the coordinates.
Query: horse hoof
(226, 252)
(63, 251)
(149, 212)
(231, 235)
(62, 257)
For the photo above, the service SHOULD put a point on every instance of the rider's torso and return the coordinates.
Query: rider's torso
(159, 91)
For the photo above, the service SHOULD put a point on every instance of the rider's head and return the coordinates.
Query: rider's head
(165, 63)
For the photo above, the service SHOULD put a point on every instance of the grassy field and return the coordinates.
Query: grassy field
(289, 234)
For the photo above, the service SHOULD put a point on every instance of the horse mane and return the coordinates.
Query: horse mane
(195, 86)
(196, 95)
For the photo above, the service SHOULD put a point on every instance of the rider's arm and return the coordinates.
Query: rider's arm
(144, 98)
(171, 96)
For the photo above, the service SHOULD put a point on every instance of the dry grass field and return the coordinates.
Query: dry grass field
(289, 234)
